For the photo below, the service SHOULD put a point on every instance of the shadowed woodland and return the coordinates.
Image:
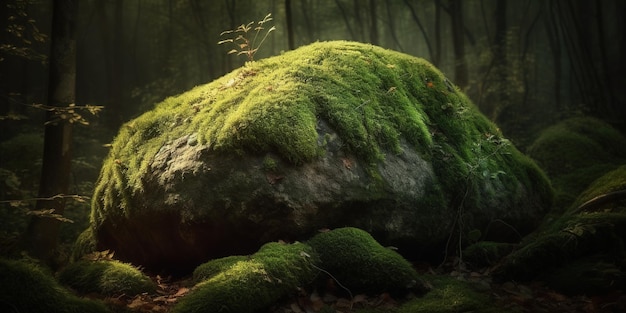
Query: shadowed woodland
(548, 73)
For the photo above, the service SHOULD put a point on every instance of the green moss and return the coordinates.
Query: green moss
(358, 262)
(593, 275)
(214, 267)
(577, 151)
(612, 181)
(372, 97)
(85, 244)
(269, 164)
(486, 253)
(255, 283)
(26, 287)
(106, 277)
(450, 295)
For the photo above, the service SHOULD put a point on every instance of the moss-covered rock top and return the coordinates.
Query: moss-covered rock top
(373, 98)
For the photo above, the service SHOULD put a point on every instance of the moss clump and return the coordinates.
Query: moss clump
(450, 295)
(486, 253)
(577, 151)
(612, 181)
(358, 262)
(106, 277)
(214, 267)
(254, 283)
(26, 287)
(85, 244)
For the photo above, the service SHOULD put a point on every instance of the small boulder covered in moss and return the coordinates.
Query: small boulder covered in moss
(586, 243)
(575, 152)
(106, 277)
(26, 287)
(359, 263)
(249, 284)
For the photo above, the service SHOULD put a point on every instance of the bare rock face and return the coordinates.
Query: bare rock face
(329, 135)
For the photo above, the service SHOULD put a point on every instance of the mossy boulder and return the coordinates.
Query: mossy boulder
(27, 287)
(583, 247)
(106, 277)
(331, 134)
(575, 152)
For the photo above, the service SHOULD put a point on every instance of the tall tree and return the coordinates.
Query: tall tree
(289, 17)
(42, 234)
(373, 23)
(458, 40)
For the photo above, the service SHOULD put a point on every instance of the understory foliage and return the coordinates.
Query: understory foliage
(244, 45)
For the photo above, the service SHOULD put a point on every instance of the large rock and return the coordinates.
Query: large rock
(332, 134)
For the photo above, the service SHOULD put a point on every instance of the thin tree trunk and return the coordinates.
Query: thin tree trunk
(43, 232)
(346, 19)
(289, 17)
(460, 65)
(417, 21)
(373, 23)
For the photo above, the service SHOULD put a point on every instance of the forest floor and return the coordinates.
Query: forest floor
(529, 297)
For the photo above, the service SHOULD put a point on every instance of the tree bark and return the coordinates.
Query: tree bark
(373, 23)
(289, 17)
(43, 232)
(460, 65)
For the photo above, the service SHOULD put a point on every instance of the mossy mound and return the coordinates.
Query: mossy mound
(592, 232)
(360, 264)
(328, 135)
(577, 151)
(254, 283)
(209, 269)
(349, 256)
(487, 253)
(25, 287)
(450, 295)
(106, 277)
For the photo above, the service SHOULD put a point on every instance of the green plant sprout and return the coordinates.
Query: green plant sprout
(243, 44)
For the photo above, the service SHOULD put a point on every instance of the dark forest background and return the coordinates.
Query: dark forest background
(526, 64)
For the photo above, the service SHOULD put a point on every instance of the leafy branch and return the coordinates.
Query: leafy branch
(69, 113)
(242, 42)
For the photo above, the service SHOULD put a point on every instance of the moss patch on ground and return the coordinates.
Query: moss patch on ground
(372, 97)
(256, 282)
(26, 287)
(360, 264)
(106, 277)
(348, 256)
(450, 295)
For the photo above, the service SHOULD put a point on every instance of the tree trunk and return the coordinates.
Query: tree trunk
(460, 65)
(289, 17)
(43, 232)
(373, 23)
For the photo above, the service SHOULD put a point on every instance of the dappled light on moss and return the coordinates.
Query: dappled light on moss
(107, 277)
